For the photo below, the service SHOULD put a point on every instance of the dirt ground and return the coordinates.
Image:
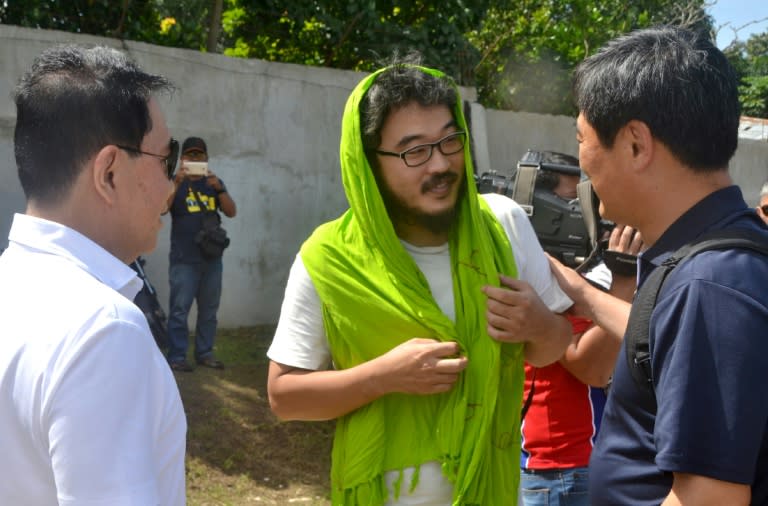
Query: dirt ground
(238, 452)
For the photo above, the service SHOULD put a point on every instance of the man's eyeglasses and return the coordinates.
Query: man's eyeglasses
(168, 161)
(419, 155)
(764, 209)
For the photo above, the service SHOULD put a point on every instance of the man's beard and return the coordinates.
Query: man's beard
(401, 212)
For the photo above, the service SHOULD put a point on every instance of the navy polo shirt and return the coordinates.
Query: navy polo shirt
(709, 360)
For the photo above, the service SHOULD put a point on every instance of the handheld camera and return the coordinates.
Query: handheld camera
(567, 229)
(196, 168)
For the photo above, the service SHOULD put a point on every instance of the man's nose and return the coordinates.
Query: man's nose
(438, 162)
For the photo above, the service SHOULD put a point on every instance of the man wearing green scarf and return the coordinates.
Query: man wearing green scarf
(408, 318)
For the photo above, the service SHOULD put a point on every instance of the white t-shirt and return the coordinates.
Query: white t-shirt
(89, 410)
(300, 339)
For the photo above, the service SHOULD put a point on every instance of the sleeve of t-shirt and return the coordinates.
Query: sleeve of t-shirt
(104, 413)
(709, 349)
(530, 260)
(300, 339)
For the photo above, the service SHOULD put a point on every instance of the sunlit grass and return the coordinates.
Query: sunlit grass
(237, 451)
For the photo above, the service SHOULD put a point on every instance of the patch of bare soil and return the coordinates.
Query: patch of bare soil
(238, 452)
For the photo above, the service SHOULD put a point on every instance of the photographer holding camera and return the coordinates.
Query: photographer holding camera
(197, 244)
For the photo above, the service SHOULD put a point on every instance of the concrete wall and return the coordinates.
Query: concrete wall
(749, 168)
(273, 135)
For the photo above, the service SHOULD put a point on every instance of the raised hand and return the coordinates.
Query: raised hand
(625, 239)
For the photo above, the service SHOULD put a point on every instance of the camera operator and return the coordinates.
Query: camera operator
(194, 274)
(563, 416)
(560, 183)
(544, 184)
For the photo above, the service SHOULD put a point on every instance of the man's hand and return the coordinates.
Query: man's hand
(419, 366)
(178, 177)
(609, 312)
(213, 181)
(574, 285)
(515, 313)
(625, 239)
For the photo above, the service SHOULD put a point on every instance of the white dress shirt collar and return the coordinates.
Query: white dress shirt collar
(43, 236)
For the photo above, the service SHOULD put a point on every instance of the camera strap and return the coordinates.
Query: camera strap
(620, 264)
(588, 209)
(203, 207)
(529, 399)
(525, 181)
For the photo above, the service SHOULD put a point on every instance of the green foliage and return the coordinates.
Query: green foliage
(189, 27)
(750, 60)
(529, 47)
(177, 23)
(352, 34)
(99, 17)
(519, 54)
(753, 94)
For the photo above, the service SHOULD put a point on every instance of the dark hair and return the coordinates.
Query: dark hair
(675, 81)
(71, 103)
(401, 83)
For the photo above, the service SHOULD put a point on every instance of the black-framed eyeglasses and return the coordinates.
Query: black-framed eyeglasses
(169, 161)
(419, 155)
(764, 209)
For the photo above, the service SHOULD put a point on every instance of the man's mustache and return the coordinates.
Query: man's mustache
(437, 180)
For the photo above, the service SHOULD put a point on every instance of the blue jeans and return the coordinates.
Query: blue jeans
(560, 487)
(193, 282)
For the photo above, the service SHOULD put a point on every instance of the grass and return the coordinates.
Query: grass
(238, 452)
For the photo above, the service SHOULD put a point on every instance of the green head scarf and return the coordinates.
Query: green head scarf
(374, 297)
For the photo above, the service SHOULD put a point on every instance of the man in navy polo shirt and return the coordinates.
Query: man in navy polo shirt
(657, 127)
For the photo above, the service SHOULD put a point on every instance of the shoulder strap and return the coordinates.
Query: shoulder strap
(529, 399)
(525, 182)
(204, 208)
(637, 337)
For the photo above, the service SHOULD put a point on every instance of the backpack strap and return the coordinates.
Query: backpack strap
(637, 346)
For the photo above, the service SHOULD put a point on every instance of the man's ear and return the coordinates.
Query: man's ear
(105, 165)
(639, 140)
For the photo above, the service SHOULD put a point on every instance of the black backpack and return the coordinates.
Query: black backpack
(636, 339)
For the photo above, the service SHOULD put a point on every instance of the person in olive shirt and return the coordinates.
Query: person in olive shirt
(192, 275)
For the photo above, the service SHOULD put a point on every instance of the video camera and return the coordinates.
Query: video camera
(567, 229)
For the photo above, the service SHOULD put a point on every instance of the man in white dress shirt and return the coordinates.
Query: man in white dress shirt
(89, 410)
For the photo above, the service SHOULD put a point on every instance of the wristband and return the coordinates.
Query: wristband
(620, 264)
